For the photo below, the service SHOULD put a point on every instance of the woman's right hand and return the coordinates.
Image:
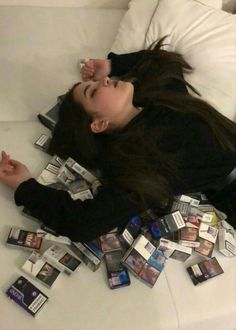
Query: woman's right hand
(95, 69)
(12, 172)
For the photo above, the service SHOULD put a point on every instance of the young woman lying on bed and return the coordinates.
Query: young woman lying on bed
(146, 134)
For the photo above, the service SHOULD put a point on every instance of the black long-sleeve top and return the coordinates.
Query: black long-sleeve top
(198, 156)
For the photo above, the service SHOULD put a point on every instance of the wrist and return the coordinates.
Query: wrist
(16, 184)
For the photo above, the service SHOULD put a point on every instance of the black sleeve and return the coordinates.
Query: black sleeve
(200, 159)
(121, 64)
(80, 221)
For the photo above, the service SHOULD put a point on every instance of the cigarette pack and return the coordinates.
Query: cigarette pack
(41, 270)
(83, 172)
(82, 195)
(67, 175)
(116, 272)
(170, 223)
(227, 239)
(205, 248)
(118, 278)
(50, 118)
(192, 221)
(110, 242)
(216, 215)
(191, 200)
(24, 239)
(200, 196)
(214, 219)
(50, 237)
(61, 259)
(93, 246)
(43, 142)
(173, 250)
(189, 236)
(145, 231)
(182, 207)
(154, 229)
(206, 208)
(71, 171)
(204, 270)
(144, 261)
(202, 216)
(132, 230)
(27, 295)
(78, 186)
(208, 232)
(86, 255)
(49, 175)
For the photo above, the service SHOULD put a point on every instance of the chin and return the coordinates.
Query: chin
(127, 85)
(130, 88)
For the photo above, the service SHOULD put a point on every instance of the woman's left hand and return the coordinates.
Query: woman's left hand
(96, 69)
(12, 172)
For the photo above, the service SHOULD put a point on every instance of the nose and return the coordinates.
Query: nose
(106, 81)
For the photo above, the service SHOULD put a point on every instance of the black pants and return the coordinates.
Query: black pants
(225, 201)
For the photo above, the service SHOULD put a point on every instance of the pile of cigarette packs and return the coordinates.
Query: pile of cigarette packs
(142, 248)
(44, 267)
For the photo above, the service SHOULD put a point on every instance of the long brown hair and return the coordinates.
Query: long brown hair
(127, 158)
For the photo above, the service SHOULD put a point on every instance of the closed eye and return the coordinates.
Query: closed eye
(93, 92)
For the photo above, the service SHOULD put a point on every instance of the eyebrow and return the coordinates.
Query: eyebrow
(85, 90)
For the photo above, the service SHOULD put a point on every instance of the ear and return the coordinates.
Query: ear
(99, 125)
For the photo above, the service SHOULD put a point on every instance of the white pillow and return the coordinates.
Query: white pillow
(134, 25)
(206, 37)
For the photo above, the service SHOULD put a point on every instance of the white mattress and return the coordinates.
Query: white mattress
(40, 49)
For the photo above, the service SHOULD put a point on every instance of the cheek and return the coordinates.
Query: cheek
(112, 101)
(107, 102)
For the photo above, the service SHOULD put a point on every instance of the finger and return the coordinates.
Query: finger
(89, 64)
(88, 71)
(5, 157)
(86, 76)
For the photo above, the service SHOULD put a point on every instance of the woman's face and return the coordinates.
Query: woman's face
(105, 99)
